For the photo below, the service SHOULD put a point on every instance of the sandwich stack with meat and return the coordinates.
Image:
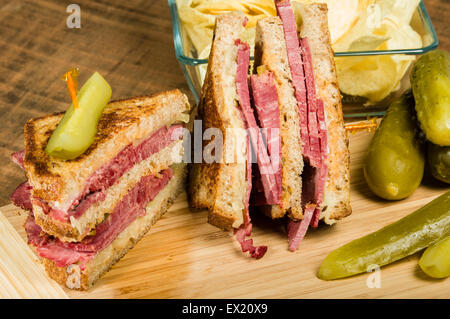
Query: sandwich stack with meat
(224, 186)
(86, 213)
(292, 110)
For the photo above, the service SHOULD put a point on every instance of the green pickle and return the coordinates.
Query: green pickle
(435, 261)
(395, 160)
(439, 162)
(420, 229)
(430, 83)
(76, 130)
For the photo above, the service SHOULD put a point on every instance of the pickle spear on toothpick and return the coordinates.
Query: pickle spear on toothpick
(76, 131)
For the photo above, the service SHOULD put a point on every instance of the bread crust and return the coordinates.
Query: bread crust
(54, 227)
(221, 187)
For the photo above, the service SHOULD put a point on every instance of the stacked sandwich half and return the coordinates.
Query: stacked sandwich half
(86, 213)
(297, 158)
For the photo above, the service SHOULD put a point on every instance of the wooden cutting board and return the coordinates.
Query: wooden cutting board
(184, 257)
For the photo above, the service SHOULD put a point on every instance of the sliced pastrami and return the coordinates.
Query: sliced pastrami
(297, 229)
(63, 256)
(55, 214)
(87, 202)
(314, 179)
(313, 157)
(18, 158)
(317, 131)
(97, 184)
(111, 172)
(21, 197)
(247, 244)
(316, 112)
(130, 207)
(36, 236)
(48, 247)
(265, 100)
(243, 61)
(293, 51)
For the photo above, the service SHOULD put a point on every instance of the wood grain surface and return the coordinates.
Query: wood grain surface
(184, 257)
(20, 273)
(130, 42)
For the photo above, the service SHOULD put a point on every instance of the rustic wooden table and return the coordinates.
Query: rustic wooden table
(130, 42)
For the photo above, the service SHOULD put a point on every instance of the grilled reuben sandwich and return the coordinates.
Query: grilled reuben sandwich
(86, 213)
(297, 158)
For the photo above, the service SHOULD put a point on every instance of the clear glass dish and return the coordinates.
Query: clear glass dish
(352, 106)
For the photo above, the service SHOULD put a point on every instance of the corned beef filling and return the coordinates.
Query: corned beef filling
(297, 230)
(130, 207)
(268, 173)
(110, 173)
(18, 158)
(287, 17)
(317, 134)
(21, 197)
(243, 60)
(312, 125)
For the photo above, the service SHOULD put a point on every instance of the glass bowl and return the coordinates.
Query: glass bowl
(194, 68)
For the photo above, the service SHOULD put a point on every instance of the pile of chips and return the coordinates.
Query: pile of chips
(382, 25)
(355, 25)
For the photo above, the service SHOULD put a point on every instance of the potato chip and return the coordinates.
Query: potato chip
(372, 77)
(403, 10)
(383, 26)
(367, 43)
(261, 7)
(215, 7)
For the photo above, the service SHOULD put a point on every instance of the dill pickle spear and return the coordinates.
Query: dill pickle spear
(435, 261)
(420, 229)
(76, 130)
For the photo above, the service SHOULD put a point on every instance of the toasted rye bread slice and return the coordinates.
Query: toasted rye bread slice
(74, 278)
(270, 51)
(221, 187)
(122, 122)
(78, 228)
(314, 27)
